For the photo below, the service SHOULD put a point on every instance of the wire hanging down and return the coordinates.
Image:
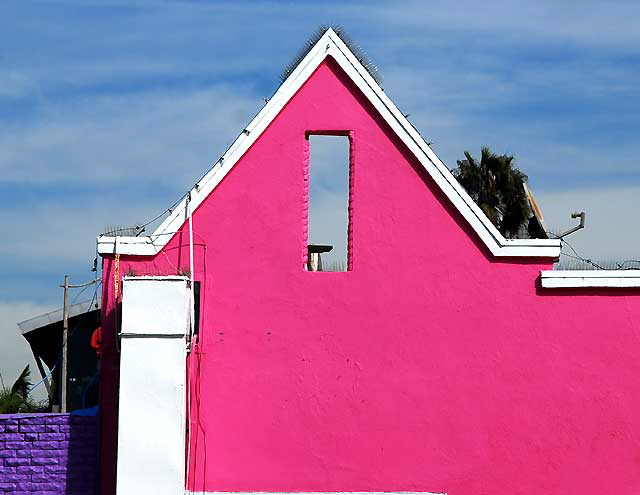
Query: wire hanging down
(577, 256)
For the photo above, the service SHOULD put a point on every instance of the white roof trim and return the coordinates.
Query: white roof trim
(331, 45)
(561, 279)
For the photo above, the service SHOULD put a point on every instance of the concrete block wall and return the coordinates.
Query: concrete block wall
(48, 454)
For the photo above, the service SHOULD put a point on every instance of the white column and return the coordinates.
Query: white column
(151, 418)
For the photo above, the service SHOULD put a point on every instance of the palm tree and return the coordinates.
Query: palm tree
(496, 185)
(16, 399)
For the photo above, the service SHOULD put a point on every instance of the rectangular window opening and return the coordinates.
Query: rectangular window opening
(328, 214)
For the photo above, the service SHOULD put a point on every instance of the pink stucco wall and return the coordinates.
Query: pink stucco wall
(431, 366)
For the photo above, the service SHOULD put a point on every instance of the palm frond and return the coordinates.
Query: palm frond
(495, 184)
(22, 385)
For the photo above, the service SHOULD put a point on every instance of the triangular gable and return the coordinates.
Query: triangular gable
(330, 45)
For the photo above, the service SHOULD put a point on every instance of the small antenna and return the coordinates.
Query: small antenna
(575, 214)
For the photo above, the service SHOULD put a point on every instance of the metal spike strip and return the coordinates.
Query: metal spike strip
(362, 57)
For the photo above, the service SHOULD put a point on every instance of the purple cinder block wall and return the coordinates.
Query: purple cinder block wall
(48, 454)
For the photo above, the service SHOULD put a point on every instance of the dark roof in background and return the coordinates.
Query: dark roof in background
(55, 316)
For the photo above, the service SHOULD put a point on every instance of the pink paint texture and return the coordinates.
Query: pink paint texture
(430, 366)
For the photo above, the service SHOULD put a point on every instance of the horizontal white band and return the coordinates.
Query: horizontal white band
(561, 279)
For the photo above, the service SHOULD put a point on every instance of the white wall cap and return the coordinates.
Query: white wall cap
(563, 279)
(156, 305)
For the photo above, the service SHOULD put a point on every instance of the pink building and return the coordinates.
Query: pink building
(446, 359)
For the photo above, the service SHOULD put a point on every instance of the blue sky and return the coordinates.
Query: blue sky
(110, 110)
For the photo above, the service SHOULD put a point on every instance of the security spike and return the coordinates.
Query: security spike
(362, 57)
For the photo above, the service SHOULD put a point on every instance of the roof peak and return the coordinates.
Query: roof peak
(330, 44)
(339, 31)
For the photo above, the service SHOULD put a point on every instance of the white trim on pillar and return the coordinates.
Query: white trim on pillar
(151, 411)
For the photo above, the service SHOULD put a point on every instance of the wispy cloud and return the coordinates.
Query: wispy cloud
(168, 137)
(591, 22)
(610, 232)
(18, 353)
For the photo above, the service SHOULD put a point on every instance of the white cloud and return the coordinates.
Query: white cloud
(15, 352)
(62, 233)
(328, 223)
(102, 162)
(169, 138)
(14, 84)
(589, 22)
(104, 119)
(611, 231)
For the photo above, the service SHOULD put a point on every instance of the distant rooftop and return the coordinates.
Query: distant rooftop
(56, 315)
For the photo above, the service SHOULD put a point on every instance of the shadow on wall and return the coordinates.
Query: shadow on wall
(82, 461)
(52, 453)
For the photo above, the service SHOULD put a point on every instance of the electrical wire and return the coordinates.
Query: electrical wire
(577, 256)
(164, 212)
(46, 377)
(82, 291)
(621, 265)
(191, 270)
(196, 186)
(195, 361)
(71, 331)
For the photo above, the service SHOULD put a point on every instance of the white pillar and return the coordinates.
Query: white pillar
(151, 418)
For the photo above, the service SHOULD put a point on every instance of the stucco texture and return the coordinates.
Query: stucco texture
(430, 366)
(48, 454)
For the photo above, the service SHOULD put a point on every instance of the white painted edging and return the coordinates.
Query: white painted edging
(151, 411)
(330, 44)
(560, 279)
